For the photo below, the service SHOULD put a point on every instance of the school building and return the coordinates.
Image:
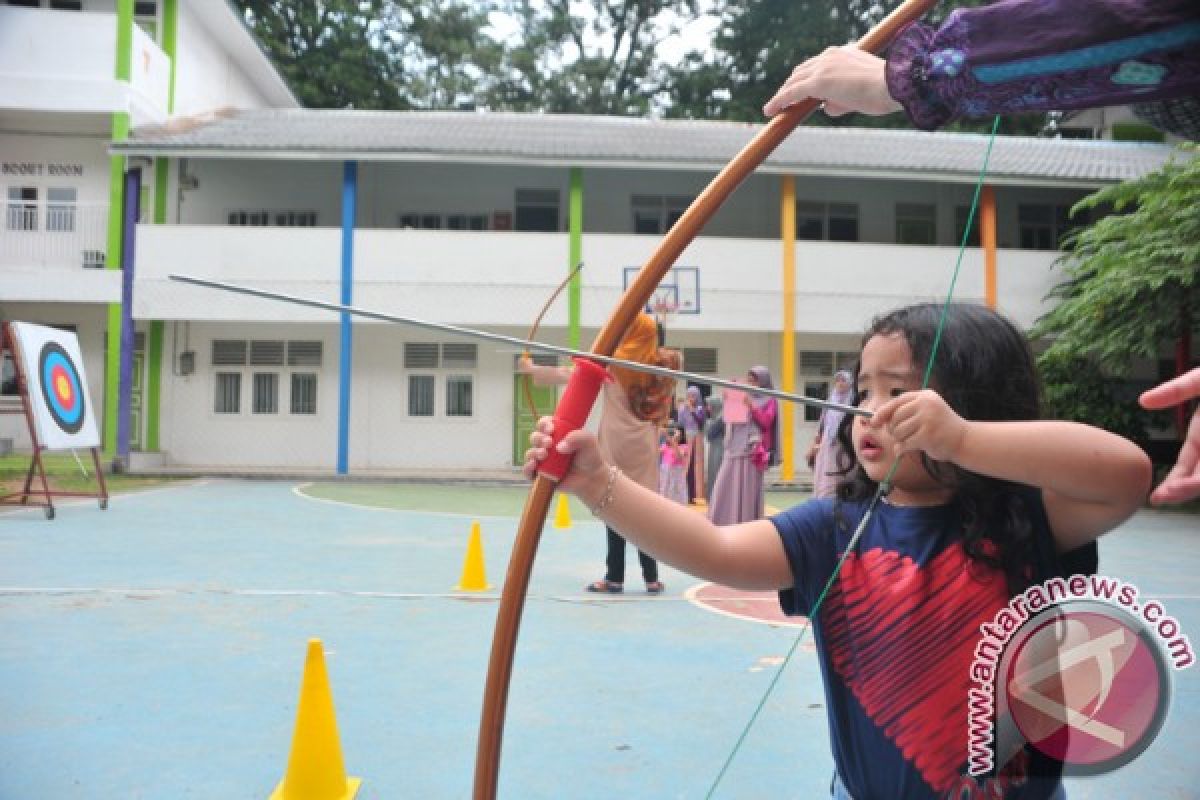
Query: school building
(467, 218)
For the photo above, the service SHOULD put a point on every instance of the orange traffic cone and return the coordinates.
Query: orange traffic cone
(474, 576)
(315, 770)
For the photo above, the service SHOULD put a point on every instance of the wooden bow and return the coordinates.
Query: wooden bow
(531, 336)
(533, 517)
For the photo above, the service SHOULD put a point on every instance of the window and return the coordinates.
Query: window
(281, 219)
(228, 353)
(458, 395)
(251, 218)
(467, 222)
(60, 210)
(837, 222)
(296, 219)
(429, 357)
(420, 395)
(1042, 227)
(304, 354)
(700, 359)
(537, 210)
(657, 213)
(265, 386)
(67, 5)
(229, 393)
(916, 223)
(266, 393)
(266, 353)
(304, 393)
(22, 208)
(960, 224)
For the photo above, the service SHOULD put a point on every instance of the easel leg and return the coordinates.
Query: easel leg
(100, 478)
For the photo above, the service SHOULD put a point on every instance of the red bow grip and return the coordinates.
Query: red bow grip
(572, 412)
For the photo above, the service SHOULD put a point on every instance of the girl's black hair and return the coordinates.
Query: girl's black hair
(985, 371)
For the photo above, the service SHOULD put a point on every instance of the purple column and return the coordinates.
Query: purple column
(133, 190)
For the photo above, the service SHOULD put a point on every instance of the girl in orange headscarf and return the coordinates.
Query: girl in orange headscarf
(634, 405)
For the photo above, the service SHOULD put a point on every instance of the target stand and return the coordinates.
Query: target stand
(53, 391)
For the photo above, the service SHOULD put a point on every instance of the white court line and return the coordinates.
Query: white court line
(297, 490)
(71, 502)
(690, 596)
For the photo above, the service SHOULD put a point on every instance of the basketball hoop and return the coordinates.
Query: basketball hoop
(662, 306)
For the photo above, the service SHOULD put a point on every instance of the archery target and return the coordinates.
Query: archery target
(53, 368)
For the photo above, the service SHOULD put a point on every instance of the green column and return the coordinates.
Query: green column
(154, 344)
(116, 202)
(575, 246)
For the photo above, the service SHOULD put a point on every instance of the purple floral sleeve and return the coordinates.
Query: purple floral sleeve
(1041, 55)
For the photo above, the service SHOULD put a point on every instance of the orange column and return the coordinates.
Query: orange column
(987, 238)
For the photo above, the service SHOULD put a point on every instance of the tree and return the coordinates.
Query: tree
(377, 54)
(1131, 285)
(594, 57)
(330, 53)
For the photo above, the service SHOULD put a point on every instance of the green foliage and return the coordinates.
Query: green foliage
(1073, 389)
(593, 57)
(376, 54)
(330, 53)
(1131, 283)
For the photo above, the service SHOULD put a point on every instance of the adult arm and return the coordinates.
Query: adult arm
(1183, 481)
(1014, 56)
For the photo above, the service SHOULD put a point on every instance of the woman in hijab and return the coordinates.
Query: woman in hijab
(692, 417)
(824, 456)
(632, 408)
(750, 447)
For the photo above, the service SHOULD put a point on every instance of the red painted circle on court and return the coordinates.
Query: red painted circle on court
(753, 606)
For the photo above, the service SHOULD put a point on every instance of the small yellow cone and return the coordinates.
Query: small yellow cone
(315, 769)
(474, 577)
(562, 514)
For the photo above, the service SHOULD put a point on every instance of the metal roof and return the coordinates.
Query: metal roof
(613, 142)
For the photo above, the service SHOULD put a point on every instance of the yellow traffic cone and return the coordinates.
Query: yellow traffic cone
(562, 514)
(315, 770)
(474, 577)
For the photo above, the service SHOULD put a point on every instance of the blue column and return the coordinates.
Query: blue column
(125, 336)
(345, 359)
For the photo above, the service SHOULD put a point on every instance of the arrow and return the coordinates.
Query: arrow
(513, 340)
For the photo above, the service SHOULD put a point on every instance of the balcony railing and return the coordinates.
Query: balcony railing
(54, 235)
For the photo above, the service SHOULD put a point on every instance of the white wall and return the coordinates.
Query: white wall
(66, 61)
(206, 76)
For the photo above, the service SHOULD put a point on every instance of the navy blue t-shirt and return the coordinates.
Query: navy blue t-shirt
(896, 636)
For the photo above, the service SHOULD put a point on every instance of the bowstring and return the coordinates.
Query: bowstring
(884, 486)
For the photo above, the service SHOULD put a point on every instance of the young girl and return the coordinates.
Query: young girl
(672, 471)
(986, 500)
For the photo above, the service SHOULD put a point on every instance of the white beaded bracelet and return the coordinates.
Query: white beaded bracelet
(607, 498)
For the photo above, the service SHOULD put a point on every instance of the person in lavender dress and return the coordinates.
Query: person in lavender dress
(1016, 56)
(750, 447)
(714, 442)
(825, 453)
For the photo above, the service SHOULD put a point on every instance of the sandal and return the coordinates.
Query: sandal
(655, 587)
(605, 587)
